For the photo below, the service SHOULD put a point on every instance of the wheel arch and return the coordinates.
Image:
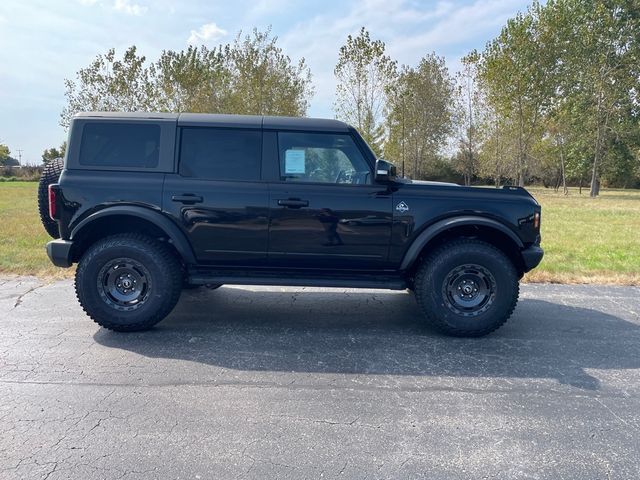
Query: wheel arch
(125, 219)
(468, 226)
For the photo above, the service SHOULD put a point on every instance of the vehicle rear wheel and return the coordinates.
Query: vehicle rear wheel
(467, 288)
(50, 174)
(128, 282)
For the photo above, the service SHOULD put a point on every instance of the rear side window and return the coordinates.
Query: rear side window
(110, 144)
(221, 154)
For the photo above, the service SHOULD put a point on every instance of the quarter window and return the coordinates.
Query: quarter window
(220, 154)
(321, 158)
(110, 144)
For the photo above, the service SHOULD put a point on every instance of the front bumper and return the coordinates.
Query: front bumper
(532, 257)
(59, 252)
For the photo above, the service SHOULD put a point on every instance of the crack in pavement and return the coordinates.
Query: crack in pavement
(21, 297)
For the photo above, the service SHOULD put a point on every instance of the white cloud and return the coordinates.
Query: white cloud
(207, 33)
(130, 8)
(410, 30)
(88, 2)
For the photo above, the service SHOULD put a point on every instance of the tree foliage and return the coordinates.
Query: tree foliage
(53, 153)
(364, 74)
(265, 81)
(565, 77)
(109, 84)
(4, 153)
(252, 75)
(192, 80)
(470, 117)
(420, 115)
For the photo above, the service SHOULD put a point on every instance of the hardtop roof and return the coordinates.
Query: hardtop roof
(228, 121)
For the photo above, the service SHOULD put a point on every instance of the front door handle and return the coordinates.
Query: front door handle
(293, 203)
(188, 198)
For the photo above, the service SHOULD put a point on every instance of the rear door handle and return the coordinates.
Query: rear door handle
(293, 203)
(188, 198)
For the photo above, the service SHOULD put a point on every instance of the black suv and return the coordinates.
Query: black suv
(149, 204)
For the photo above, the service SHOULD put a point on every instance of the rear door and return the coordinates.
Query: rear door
(326, 212)
(217, 197)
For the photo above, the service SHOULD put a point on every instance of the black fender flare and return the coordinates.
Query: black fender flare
(430, 232)
(177, 237)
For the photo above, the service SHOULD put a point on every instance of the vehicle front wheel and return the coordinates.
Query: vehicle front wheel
(128, 282)
(467, 288)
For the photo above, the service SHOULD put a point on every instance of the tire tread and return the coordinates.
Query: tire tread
(167, 261)
(424, 277)
(50, 174)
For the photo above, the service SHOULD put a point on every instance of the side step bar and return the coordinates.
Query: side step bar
(296, 280)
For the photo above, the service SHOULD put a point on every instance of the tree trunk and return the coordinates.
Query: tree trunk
(595, 181)
(580, 185)
(597, 155)
(415, 161)
(521, 154)
(565, 190)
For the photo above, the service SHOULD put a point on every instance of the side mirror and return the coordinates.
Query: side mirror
(385, 171)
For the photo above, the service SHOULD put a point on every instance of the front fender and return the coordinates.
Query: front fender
(430, 232)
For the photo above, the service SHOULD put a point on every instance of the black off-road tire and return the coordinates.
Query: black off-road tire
(50, 174)
(469, 265)
(149, 261)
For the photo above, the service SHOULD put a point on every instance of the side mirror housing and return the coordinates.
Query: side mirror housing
(385, 171)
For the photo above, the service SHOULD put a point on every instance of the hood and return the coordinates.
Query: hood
(427, 182)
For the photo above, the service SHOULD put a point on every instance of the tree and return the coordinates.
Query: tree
(4, 153)
(420, 113)
(250, 76)
(470, 112)
(495, 158)
(53, 153)
(600, 68)
(518, 70)
(195, 80)
(364, 73)
(109, 84)
(265, 81)
(566, 76)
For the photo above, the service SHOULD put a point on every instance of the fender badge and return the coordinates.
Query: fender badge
(402, 207)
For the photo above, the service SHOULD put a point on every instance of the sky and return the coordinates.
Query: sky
(42, 42)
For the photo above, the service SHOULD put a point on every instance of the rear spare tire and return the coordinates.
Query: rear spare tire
(50, 174)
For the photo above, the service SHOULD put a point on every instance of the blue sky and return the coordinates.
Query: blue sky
(43, 42)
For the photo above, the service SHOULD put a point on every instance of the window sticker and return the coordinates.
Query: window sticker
(294, 162)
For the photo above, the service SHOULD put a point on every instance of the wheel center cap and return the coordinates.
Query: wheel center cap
(467, 289)
(126, 283)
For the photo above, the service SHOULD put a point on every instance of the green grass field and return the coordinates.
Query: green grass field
(585, 240)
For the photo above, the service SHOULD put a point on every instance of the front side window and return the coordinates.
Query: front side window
(115, 144)
(221, 154)
(321, 158)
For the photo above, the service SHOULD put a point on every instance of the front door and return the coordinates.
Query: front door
(326, 212)
(218, 198)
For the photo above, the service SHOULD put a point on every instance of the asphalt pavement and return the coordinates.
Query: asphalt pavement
(271, 382)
